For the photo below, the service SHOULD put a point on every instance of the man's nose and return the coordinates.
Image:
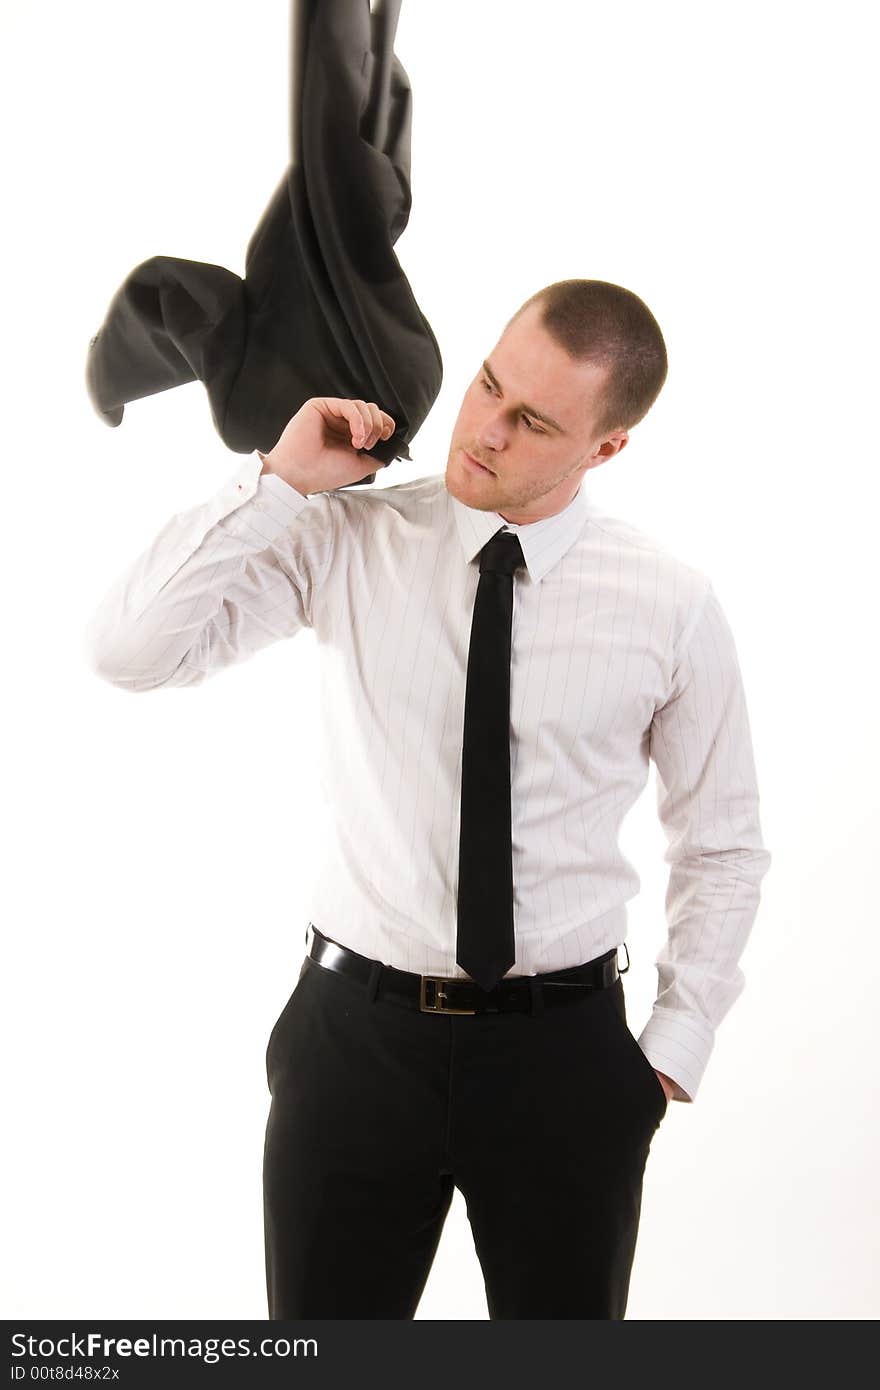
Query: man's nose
(492, 433)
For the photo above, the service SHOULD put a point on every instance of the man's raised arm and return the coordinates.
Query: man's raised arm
(238, 572)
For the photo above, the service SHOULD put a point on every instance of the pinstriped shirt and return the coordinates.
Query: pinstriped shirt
(620, 654)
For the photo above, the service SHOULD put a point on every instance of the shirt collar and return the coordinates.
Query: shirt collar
(543, 542)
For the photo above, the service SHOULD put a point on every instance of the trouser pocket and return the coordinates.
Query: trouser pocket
(278, 1026)
(650, 1081)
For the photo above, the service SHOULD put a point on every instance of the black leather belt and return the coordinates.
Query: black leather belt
(436, 994)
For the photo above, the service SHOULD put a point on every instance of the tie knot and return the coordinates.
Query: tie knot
(502, 554)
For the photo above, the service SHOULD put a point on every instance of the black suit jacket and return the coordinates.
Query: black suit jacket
(324, 308)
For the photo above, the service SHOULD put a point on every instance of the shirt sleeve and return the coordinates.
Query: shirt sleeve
(218, 583)
(708, 805)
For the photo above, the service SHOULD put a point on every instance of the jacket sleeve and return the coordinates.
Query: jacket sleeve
(218, 583)
(708, 805)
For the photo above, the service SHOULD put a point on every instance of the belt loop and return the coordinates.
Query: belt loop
(624, 945)
(373, 982)
(537, 994)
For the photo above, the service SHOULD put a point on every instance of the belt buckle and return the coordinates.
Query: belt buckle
(438, 981)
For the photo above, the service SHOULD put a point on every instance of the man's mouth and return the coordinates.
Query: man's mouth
(475, 463)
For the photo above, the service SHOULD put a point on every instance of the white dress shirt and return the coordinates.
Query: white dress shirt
(619, 653)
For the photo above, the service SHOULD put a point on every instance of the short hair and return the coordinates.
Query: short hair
(598, 322)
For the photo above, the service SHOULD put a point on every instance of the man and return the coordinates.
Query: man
(470, 830)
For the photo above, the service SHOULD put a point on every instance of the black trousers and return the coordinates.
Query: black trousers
(543, 1120)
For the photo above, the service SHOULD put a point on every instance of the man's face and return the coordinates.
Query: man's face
(533, 465)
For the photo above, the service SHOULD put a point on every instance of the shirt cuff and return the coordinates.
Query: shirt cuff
(679, 1047)
(278, 503)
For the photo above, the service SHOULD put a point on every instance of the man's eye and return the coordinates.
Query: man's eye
(534, 428)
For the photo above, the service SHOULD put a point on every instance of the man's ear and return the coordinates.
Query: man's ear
(614, 444)
(608, 449)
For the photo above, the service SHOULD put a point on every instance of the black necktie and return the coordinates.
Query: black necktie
(485, 943)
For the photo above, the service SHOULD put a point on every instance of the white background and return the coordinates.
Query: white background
(716, 160)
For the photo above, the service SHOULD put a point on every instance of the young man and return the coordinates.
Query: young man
(500, 662)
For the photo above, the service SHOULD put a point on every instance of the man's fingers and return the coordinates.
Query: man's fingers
(366, 422)
(361, 424)
(369, 424)
(383, 424)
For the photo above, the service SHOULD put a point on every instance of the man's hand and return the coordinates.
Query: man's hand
(320, 448)
(666, 1082)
